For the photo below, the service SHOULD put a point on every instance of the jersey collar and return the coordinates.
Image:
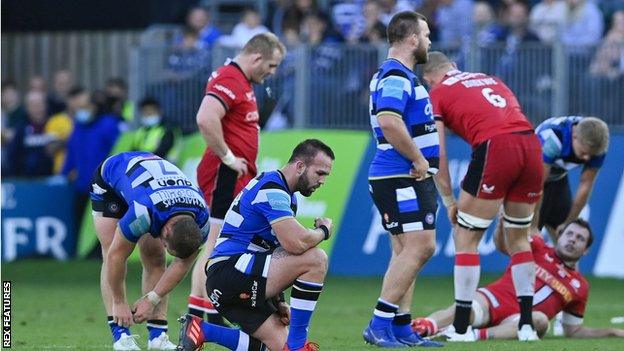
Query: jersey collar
(285, 182)
(232, 63)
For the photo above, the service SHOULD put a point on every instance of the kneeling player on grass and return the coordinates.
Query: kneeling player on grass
(138, 193)
(262, 250)
(558, 287)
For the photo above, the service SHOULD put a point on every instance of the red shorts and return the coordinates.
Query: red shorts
(501, 304)
(506, 166)
(219, 184)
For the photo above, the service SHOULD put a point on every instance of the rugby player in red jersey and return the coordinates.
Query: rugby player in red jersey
(559, 287)
(505, 169)
(228, 120)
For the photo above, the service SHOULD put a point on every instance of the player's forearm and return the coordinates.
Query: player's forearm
(116, 276)
(212, 132)
(174, 273)
(396, 134)
(580, 200)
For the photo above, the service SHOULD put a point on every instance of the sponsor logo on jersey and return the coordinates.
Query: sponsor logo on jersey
(250, 96)
(429, 218)
(172, 197)
(252, 116)
(214, 297)
(225, 90)
(545, 276)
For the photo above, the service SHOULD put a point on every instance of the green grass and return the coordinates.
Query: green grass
(57, 306)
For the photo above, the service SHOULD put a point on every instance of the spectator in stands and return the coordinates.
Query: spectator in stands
(390, 8)
(249, 26)
(605, 83)
(584, 24)
(117, 101)
(94, 135)
(293, 14)
(188, 58)
(487, 30)
(59, 127)
(609, 60)
(517, 31)
(13, 115)
(453, 25)
(547, 19)
(153, 135)
(28, 157)
(198, 20)
(374, 29)
(63, 82)
(348, 20)
(37, 83)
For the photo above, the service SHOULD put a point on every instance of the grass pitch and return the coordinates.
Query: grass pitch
(57, 306)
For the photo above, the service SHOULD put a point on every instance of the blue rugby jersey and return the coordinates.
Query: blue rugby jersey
(155, 190)
(555, 134)
(247, 224)
(397, 90)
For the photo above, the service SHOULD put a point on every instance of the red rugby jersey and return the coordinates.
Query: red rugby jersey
(477, 106)
(240, 124)
(557, 287)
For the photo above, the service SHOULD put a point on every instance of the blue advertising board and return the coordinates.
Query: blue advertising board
(362, 246)
(37, 219)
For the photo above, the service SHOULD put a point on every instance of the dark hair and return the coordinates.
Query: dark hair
(185, 238)
(75, 91)
(404, 24)
(9, 84)
(149, 101)
(118, 82)
(584, 224)
(307, 150)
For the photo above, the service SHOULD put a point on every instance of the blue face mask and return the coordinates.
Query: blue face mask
(150, 120)
(83, 116)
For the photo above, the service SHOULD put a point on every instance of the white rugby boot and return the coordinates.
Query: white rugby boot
(126, 343)
(526, 333)
(453, 336)
(161, 343)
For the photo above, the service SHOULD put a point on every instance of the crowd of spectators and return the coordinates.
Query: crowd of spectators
(501, 29)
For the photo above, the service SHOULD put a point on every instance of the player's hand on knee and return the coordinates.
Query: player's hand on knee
(122, 314)
(419, 169)
(142, 309)
(451, 212)
(283, 311)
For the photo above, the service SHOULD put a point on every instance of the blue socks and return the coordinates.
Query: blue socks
(303, 299)
(155, 327)
(401, 327)
(116, 329)
(226, 337)
(383, 314)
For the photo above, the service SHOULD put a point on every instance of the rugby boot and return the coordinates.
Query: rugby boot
(381, 337)
(191, 334)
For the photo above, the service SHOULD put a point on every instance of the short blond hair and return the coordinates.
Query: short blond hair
(593, 133)
(264, 44)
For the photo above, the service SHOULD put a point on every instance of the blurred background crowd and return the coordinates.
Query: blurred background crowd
(57, 124)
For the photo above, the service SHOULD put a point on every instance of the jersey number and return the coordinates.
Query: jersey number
(494, 99)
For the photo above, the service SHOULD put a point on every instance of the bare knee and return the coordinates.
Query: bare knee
(317, 259)
(420, 253)
(540, 323)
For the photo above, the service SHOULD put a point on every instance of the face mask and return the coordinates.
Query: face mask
(150, 120)
(83, 116)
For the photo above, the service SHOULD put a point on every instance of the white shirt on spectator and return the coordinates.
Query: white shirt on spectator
(241, 35)
(584, 25)
(547, 18)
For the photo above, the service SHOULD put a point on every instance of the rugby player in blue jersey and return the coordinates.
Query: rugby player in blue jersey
(263, 250)
(568, 142)
(134, 194)
(400, 176)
